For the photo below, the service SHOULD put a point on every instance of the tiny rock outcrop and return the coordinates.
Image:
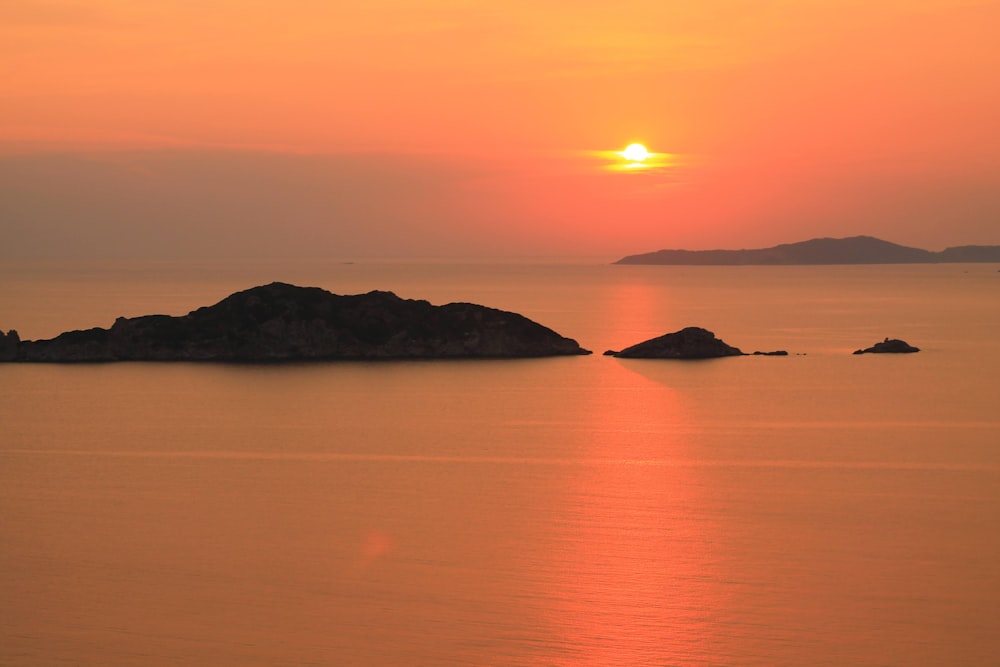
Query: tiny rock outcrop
(889, 346)
(688, 343)
(282, 322)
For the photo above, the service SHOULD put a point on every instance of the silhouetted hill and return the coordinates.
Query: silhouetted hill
(852, 250)
(280, 322)
(688, 343)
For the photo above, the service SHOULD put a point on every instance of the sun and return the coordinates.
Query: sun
(635, 158)
(635, 153)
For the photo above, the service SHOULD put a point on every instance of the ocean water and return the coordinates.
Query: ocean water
(815, 509)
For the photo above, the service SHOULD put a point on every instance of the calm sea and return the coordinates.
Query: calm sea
(815, 509)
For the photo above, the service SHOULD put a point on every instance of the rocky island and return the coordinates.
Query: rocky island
(282, 322)
(889, 346)
(852, 250)
(688, 343)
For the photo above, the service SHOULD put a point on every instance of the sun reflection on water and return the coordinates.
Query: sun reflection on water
(635, 575)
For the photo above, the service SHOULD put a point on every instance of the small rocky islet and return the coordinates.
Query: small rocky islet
(688, 343)
(282, 322)
(889, 346)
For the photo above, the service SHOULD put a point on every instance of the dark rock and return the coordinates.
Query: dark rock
(775, 353)
(9, 344)
(887, 346)
(688, 343)
(281, 322)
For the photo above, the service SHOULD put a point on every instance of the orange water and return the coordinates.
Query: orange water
(820, 508)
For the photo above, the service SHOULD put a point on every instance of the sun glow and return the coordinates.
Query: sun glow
(635, 153)
(635, 158)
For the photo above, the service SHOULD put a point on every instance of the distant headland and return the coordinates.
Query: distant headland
(282, 322)
(851, 250)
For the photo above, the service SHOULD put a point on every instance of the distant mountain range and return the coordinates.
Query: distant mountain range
(852, 250)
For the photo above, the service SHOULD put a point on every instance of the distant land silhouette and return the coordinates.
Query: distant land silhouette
(852, 250)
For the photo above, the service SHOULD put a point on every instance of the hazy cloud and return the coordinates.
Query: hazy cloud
(215, 203)
(50, 13)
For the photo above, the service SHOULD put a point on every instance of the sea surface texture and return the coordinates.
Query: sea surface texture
(815, 509)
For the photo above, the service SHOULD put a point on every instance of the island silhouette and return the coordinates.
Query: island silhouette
(850, 250)
(282, 322)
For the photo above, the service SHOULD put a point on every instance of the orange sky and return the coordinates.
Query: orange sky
(467, 127)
